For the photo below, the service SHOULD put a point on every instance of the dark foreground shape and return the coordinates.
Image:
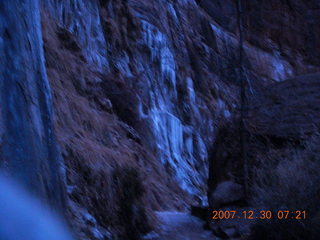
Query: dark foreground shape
(23, 218)
(200, 212)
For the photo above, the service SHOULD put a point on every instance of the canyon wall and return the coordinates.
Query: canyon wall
(139, 90)
(147, 84)
(174, 66)
(28, 151)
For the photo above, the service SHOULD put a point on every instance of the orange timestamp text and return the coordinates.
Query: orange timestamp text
(262, 214)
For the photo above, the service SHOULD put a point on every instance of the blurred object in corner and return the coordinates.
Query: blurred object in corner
(22, 217)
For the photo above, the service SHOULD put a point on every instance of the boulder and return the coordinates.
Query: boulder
(227, 192)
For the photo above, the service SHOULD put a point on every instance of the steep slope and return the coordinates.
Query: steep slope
(107, 167)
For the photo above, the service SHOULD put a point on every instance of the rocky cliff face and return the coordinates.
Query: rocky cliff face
(147, 83)
(139, 87)
(28, 150)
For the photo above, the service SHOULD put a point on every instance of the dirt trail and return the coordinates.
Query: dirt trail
(182, 226)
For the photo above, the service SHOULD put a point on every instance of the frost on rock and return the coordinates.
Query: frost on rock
(191, 92)
(173, 12)
(82, 18)
(224, 39)
(174, 150)
(282, 69)
(175, 143)
(122, 64)
(185, 2)
(160, 52)
(271, 65)
(222, 108)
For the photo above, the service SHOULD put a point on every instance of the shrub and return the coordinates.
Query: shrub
(130, 212)
(288, 180)
(115, 197)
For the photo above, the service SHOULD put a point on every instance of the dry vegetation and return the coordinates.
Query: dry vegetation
(283, 155)
(286, 162)
(112, 175)
(288, 180)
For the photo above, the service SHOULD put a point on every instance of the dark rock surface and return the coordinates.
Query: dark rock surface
(283, 113)
(28, 151)
(283, 120)
(289, 109)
